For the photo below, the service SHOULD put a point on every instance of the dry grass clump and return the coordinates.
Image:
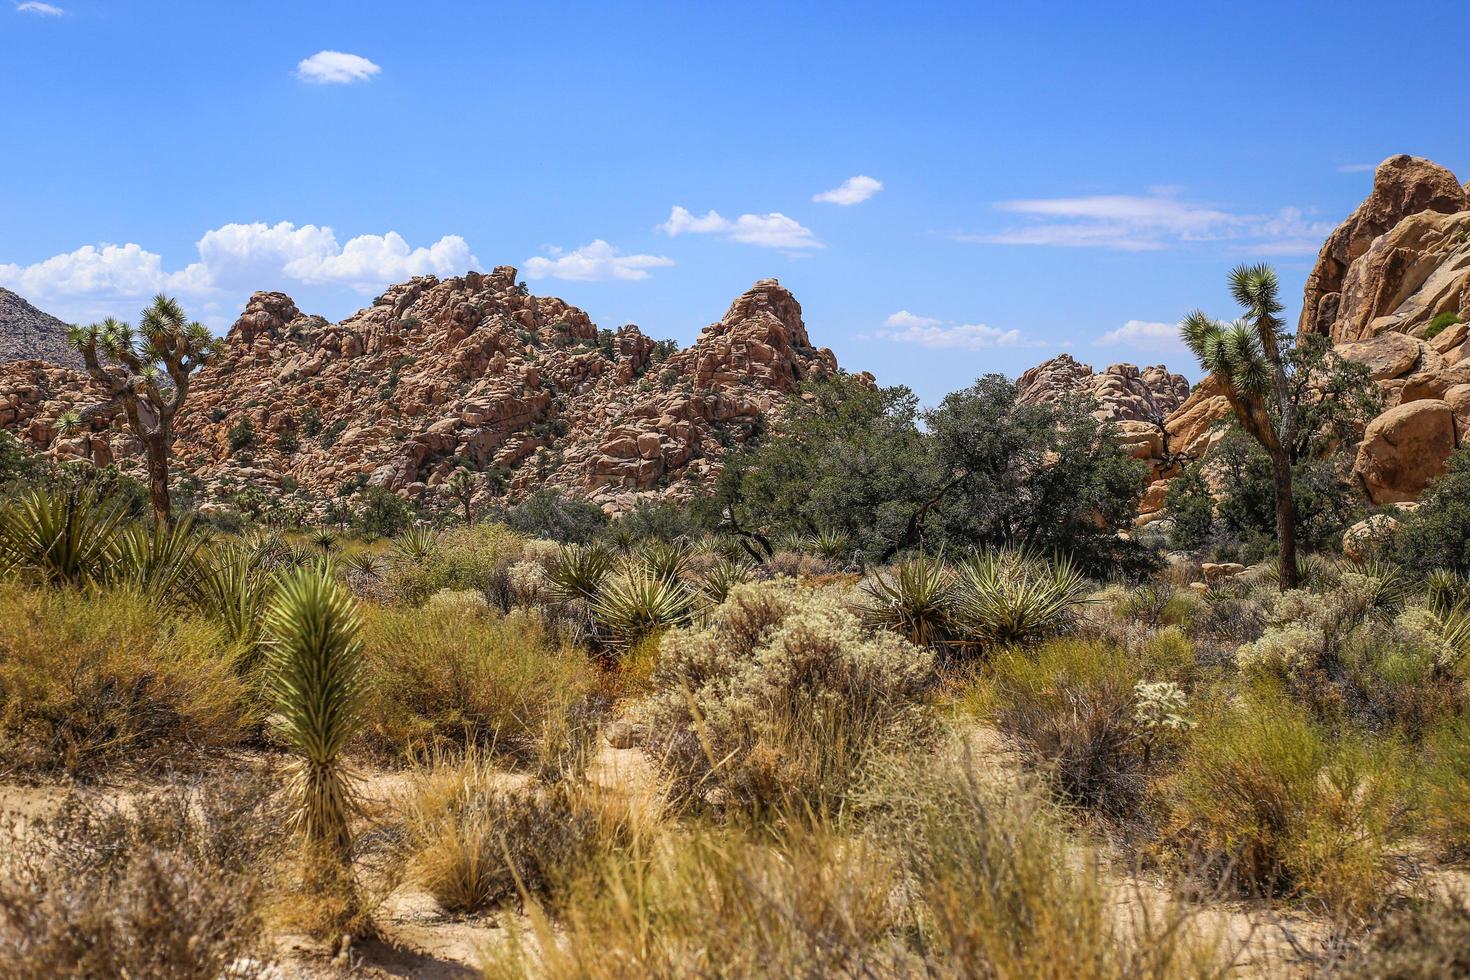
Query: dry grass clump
(473, 678)
(948, 878)
(1424, 941)
(1447, 787)
(1273, 806)
(779, 701)
(91, 682)
(170, 887)
(475, 840)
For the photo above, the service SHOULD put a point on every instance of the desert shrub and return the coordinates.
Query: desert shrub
(779, 701)
(1007, 597)
(1073, 706)
(1441, 323)
(1270, 805)
(720, 905)
(169, 887)
(550, 514)
(241, 434)
(487, 679)
(474, 842)
(466, 559)
(60, 537)
(1437, 534)
(1423, 941)
(998, 888)
(916, 600)
(1447, 786)
(86, 685)
(382, 513)
(633, 604)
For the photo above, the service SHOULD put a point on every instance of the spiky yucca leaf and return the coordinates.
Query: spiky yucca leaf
(1008, 597)
(723, 576)
(577, 571)
(663, 559)
(235, 589)
(416, 544)
(317, 682)
(365, 563)
(828, 545)
(631, 606)
(1446, 589)
(915, 600)
(60, 537)
(162, 561)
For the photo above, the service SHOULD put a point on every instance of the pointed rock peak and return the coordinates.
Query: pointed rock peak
(266, 313)
(767, 298)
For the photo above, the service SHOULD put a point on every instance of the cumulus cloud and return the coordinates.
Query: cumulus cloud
(1157, 220)
(234, 258)
(853, 190)
(39, 9)
(596, 261)
(1143, 335)
(927, 331)
(774, 230)
(335, 68)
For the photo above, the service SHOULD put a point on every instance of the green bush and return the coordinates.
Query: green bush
(473, 559)
(550, 514)
(1441, 323)
(1437, 534)
(241, 434)
(383, 513)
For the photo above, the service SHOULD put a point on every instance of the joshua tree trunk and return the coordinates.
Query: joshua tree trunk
(1285, 518)
(156, 448)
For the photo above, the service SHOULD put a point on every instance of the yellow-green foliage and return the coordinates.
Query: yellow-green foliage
(1275, 806)
(473, 676)
(1447, 786)
(780, 699)
(474, 558)
(89, 681)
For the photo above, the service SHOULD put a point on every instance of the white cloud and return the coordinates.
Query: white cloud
(1148, 222)
(234, 258)
(927, 331)
(1357, 168)
(335, 68)
(773, 230)
(39, 9)
(853, 190)
(1144, 335)
(596, 261)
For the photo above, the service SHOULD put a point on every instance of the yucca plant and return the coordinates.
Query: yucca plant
(235, 589)
(324, 539)
(367, 564)
(1009, 597)
(1446, 589)
(161, 561)
(60, 537)
(316, 680)
(828, 545)
(633, 605)
(916, 600)
(578, 571)
(723, 576)
(664, 559)
(416, 544)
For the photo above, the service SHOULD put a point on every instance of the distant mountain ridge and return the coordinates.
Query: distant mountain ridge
(29, 334)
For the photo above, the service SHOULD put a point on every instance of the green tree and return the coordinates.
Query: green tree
(149, 371)
(383, 513)
(1437, 534)
(1246, 358)
(462, 486)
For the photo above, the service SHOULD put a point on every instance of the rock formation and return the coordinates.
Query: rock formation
(470, 371)
(27, 334)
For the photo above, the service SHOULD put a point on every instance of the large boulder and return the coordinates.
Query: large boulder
(1404, 449)
(1402, 186)
(1369, 538)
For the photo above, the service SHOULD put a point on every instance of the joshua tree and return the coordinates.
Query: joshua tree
(1249, 358)
(463, 486)
(148, 371)
(314, 658)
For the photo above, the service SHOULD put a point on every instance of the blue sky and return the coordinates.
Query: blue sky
(1052, 177)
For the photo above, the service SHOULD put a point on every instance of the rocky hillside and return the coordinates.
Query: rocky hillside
(472, 371)
(1137, 401)
(26, 333)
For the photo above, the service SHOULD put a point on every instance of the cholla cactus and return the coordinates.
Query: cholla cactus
(1159, 713)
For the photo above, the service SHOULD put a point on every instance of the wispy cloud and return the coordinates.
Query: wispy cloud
(1157, 220)
(39, 9)
(335, 68)
(596, 261)
(1149, 336)
(853, 190)
(927, 331)
(773, 230)
(1356, 168)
